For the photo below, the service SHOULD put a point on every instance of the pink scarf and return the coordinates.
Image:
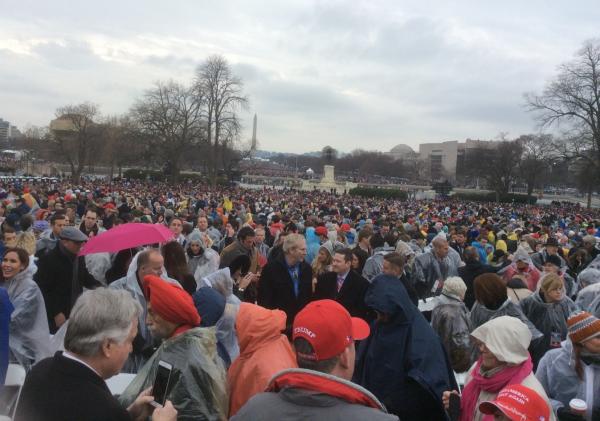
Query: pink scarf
(509, 375)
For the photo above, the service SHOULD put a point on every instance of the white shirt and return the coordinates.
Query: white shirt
(70, 356)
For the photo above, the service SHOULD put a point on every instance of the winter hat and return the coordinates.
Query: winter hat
(553, 259)
(583, 326)
(454, 286)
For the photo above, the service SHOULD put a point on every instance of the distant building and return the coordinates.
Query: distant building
(14, 133)
(4, 130)
(445, 160)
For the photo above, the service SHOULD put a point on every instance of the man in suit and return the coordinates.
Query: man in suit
(343, 285)
(71, 385)
(286, 281)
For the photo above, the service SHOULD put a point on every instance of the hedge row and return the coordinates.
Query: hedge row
(138, 174)
(381, 193)
(491, 197)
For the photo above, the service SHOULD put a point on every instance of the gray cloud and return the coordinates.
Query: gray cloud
(346, 73)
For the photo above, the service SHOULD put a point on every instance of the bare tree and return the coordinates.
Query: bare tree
(170, 117)
(223, 97)
(538, 151)
(73, 134)
(498, 165)
(572, 100)
(123, 144)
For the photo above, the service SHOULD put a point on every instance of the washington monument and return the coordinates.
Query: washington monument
(253, 147)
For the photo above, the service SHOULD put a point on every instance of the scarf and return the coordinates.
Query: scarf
(509, 375)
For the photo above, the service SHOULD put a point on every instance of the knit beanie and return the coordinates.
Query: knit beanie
(583, 326)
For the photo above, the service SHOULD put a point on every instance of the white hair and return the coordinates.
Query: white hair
(99, 315)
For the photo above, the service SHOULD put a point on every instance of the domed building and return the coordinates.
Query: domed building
(402, 151)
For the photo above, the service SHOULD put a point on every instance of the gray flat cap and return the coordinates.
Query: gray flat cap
(73, 234)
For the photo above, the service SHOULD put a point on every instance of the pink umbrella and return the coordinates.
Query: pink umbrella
(127, 236)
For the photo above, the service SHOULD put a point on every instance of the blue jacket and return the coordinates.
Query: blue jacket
(6, 309)
(403, 360)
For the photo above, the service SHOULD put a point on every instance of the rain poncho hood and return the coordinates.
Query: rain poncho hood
(506, 337)
(480, 314)
(312, 245)
(29, 335)
(222, 282)
(264, 351)
(211, 306)
(198, 380)
(204, 264)
(404, 348)
(586, 297)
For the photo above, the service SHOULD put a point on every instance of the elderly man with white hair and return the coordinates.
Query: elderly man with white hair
(71, 385)
(432, 268)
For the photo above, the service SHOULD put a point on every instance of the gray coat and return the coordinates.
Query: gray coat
(295, 403)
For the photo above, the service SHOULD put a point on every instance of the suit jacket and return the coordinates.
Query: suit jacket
(276, 288)
(55, 277)
(351, 295)
(59, 388)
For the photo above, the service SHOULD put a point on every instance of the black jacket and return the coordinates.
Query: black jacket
(55, 279)
(351, 295)
(276, 288)
(468, 273)
(59, 388)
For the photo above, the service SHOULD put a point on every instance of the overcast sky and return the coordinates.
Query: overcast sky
(353, 74)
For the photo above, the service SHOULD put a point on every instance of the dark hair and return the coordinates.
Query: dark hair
(364, 233)
(6, 227)
(490, 290)
(22, 254)
(120, 265)
(241, 263)
(176, 265)
(395, 259)
(347, 253)
(25, 222)
(391, 239)
(91, 209)
(362, 257)
(376, 241)
(516, 283)
(471, 254)
(302, 346)
(245, 232)
(56, 217)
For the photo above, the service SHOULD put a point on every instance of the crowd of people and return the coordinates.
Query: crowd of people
(287, 305)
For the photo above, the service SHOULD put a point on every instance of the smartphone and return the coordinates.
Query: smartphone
(454, 409)
(161, 383)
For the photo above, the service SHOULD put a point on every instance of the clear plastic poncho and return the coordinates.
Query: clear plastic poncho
(450, 319)
(548, 318)
(481, 314)
(221, 281)
(29, 335)
(198, 384)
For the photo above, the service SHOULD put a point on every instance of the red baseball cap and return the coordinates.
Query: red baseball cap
(321, 230)
(518, 403)
(329, 328)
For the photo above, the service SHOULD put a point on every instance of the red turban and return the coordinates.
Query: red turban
(171, 303)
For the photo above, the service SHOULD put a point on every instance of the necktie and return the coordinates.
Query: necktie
(294, 273)
(340, 282)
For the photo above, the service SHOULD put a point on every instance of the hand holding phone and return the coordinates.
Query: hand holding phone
(161, 383)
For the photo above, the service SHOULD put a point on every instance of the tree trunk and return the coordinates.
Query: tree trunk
(589, 199)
